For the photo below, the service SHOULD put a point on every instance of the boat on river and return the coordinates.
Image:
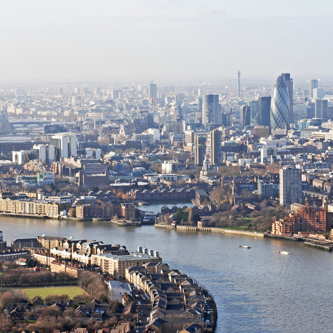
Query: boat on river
(284, 252)
(244, 246)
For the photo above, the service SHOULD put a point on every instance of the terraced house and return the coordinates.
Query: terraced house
(177, 301)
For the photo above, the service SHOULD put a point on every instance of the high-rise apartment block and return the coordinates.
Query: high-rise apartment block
(66, 143)
(211, 110)
(215, 147)
(290, 186)
(200, 150)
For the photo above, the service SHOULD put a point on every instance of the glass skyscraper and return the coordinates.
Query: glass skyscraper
(211, 110)
(280, 105)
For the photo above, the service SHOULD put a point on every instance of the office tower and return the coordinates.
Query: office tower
(312, 85)
(318, 93)
(280, 105)
(211, 110)
(254, 110)
(321, 106)
(226, 119)
(264, 111)
(238, 83)
(215, 139)
(200, 150)
(290, 186)
(200, 104)
(290, 87)
(245, 116)
(153, 91)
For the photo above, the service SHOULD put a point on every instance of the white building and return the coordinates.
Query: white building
(94, 153)
(271, 142)
(18, 157)
(46, 153)
(169, 167)
(66, 142)
(155, 132)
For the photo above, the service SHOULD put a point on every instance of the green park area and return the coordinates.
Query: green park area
(43, 292)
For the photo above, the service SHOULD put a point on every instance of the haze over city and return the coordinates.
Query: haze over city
(166, 166)
(165, 41)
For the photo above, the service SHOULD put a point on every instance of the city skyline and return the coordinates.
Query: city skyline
(142, 40)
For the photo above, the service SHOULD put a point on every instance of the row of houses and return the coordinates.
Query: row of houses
(177, 301)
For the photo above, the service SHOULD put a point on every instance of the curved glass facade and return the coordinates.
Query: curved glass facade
(280, 105)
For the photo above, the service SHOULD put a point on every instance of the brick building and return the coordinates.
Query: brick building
(98, 209)
(128, 211)
(21, 243)
(304, 219)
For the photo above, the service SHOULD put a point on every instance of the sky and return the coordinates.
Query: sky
(164, 40)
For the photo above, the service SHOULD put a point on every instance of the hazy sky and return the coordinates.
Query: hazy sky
(164, 40)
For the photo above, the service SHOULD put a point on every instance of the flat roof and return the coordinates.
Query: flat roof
(126, 257)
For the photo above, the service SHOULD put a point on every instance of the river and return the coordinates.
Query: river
(256, 290)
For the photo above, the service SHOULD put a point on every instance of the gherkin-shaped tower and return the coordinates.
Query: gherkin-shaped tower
(280, 105)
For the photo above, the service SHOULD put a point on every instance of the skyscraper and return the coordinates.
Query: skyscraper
(153, 90)
(318, 93)
(312, 85)
(245, 116)
(215, 137)
(200, 150)
(321, 106)
(290, 186)
(264, 111)
(238, 83)
(211, 110)
(280, 105)
(254, 110)
(290, 87)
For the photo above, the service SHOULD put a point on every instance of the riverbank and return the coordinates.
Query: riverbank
(184, 228)
(124, 223)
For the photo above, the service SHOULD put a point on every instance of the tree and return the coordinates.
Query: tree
(95, 189)
(72, 212)
(190, 215)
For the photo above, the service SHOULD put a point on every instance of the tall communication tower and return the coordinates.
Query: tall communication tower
(238, 83)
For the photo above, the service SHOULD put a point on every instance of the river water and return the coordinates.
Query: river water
(256, 290)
